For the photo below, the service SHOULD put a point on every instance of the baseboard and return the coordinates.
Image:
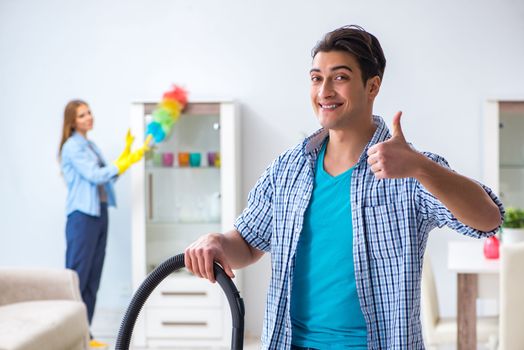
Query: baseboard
(106, 322)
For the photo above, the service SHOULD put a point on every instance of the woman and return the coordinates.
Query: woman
(90, 191)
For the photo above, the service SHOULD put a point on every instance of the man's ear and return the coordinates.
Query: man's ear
(373, 86)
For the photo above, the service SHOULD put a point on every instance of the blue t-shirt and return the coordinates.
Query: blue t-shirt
(325, 309)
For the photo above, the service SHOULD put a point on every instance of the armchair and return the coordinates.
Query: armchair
(41, 309)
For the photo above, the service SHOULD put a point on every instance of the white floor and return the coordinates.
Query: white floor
(106, 324)
(249, 344)
(254, 344)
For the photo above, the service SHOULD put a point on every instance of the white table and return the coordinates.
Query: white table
(466, 258)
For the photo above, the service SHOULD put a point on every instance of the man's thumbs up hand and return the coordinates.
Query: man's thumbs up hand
(396, 131)
(394, 158)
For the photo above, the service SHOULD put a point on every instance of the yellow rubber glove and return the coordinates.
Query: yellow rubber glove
(135, 156)
(129, 141)
(124, 163)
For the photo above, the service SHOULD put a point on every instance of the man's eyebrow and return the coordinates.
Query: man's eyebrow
(342, 67)
(316, 70)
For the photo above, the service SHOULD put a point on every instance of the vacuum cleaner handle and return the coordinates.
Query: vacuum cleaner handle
(236, 304)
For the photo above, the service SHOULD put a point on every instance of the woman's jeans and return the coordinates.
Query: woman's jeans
(86, 237)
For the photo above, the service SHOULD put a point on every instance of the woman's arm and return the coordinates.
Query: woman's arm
(76, 159)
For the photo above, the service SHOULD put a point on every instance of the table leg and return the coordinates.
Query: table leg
(467, 311)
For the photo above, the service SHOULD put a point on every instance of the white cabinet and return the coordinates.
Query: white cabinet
(188, 186)
(504, 150)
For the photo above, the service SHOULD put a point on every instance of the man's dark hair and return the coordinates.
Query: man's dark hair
(361, 44)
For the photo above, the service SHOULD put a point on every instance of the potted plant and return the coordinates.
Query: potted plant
(513, 226)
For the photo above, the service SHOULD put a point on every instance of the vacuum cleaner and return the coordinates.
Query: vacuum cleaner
(236, 304)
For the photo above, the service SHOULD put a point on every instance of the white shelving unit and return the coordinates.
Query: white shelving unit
(173, 205)
(504, 150)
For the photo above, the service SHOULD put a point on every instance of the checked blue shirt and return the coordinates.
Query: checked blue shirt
(391, 222)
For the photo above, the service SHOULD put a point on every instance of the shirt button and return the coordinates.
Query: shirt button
(304, 196)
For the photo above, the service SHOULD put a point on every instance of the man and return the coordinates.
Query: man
(346, 216)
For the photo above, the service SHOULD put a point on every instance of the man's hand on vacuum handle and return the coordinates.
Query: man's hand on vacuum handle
(230, 250)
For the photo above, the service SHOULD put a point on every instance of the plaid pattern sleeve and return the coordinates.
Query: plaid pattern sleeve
(432, 210)
(255, 222)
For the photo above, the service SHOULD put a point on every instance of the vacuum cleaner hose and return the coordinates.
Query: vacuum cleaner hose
(236, 304)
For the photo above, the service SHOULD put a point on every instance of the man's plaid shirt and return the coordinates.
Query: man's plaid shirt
(391, 222)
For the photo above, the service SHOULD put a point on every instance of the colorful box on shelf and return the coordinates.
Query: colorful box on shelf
(194, 159)
(167, 159)
(183, 158)
(213, 159)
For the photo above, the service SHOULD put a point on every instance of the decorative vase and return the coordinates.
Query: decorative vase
(491, 248)
(512, 235)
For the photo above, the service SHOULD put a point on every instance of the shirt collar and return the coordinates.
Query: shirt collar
(312, 144)
(79, 138)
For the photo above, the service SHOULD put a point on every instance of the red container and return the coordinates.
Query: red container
(491, 248)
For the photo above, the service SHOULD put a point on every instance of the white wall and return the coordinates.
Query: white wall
(444, 59)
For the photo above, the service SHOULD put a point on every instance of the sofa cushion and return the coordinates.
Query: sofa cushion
(43, 325)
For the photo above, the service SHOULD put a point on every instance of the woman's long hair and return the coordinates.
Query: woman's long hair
(69, 121)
